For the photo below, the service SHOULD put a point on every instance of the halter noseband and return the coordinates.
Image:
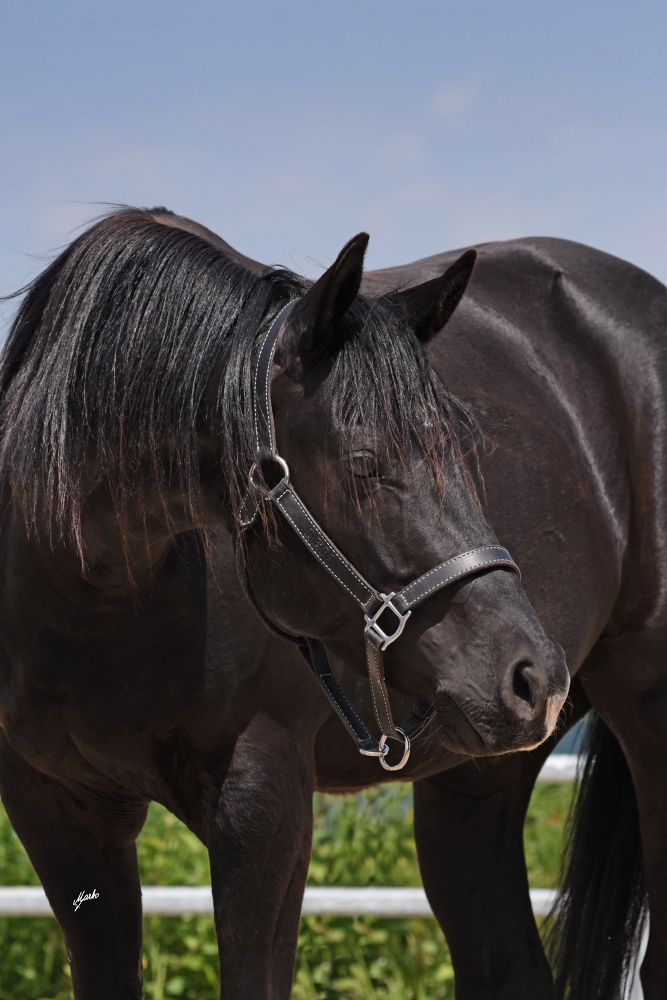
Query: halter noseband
(372, 603)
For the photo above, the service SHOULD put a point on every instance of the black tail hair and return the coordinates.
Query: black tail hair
(597, 922)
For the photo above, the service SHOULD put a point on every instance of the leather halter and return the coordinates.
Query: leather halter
(375, 605)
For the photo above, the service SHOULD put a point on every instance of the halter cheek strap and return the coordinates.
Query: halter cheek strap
(385, 614)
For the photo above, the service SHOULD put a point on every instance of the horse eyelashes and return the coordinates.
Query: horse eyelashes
(364, 466)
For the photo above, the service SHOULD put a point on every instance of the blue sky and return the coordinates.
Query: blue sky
(288, 127)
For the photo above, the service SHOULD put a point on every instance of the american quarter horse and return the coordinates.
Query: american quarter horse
(560, 351)
(158, 397)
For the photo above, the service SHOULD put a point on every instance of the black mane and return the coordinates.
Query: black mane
(139, 337)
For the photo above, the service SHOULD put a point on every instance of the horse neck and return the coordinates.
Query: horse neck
(117, 561)
(120, 558)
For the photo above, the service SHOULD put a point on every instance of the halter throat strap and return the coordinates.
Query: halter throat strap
(385, 614)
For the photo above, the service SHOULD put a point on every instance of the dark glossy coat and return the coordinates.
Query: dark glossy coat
(559, 352)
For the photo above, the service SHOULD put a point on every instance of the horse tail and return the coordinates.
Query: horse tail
(597, 922)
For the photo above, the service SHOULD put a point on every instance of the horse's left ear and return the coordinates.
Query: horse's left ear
(315, 321)
(431, 304)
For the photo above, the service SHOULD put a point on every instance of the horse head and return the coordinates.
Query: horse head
(383, 459)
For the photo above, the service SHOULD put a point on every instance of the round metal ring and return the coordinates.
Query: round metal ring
(285, 466)
(406, 752)
(276, 458)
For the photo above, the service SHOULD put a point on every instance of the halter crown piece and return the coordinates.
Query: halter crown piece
(374, 605)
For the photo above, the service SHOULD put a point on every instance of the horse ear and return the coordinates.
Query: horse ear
(316, 319)
(431, 304)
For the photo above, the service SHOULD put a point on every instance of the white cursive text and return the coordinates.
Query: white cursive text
(82, 897)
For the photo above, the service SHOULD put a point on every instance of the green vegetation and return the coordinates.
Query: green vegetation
(359, 840)
(543, 833)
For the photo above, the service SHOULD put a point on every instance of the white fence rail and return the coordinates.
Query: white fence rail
(177, 900)
(559, 767)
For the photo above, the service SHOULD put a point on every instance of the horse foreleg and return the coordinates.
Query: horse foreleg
(469, 835)
(468, 829)
(259, 843)
(83, 846)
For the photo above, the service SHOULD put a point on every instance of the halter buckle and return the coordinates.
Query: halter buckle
(372, 623)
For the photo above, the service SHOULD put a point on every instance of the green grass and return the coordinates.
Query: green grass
(359, 840)
(543, 833)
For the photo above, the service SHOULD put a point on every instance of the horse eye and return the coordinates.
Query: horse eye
(363, 465)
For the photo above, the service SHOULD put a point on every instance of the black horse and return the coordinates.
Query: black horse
(561, 351)
(131, 667)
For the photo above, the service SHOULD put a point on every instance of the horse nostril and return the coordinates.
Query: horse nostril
(521, 685)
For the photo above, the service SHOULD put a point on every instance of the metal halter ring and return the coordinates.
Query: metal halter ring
(253, 491)
(406, 752)
(276, 458)
(372, 623)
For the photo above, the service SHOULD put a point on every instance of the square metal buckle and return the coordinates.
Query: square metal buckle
(372, 623)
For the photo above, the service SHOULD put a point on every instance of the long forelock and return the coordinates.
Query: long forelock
(383, 381)
(109, 363)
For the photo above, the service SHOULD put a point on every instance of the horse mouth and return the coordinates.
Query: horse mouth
(460, 735)
(456, 730)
